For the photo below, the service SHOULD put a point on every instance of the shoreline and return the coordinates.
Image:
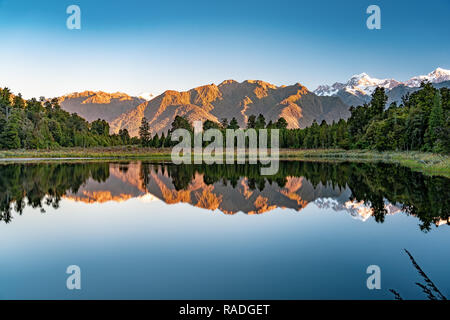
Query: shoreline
(427, 163)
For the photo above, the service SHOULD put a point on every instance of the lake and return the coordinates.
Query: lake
(143, 230)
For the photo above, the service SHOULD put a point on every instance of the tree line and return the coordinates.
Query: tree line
(45, 184)
(39, 124)
(165, 140)
(421, 122)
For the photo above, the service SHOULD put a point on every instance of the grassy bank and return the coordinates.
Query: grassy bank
(129, 152)
(427, 163)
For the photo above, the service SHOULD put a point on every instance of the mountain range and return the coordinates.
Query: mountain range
(359, 88)
(212, 102)
(229, 99)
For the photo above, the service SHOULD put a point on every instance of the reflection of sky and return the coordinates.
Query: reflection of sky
(153, 250)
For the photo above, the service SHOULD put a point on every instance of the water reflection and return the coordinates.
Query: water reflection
(363, 190)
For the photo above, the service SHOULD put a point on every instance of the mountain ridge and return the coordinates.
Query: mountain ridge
(232, 99)
(235, 99)
(359, 88)
(93, 105)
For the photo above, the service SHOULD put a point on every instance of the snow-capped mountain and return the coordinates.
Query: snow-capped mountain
(146, 95)
(359, 88)
(358, 84)
(437, 76)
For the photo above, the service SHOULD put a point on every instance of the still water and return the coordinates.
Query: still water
(141, 230)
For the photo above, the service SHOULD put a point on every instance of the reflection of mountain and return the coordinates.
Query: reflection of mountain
(296, 194)
(362, 190)
(126, 184)
(122, 184)
(357, 209)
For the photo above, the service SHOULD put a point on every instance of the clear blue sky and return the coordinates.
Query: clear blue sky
(150, 46)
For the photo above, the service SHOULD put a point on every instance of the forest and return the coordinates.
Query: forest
(420, 123)
(41, 124)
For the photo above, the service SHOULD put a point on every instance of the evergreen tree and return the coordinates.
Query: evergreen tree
(378, 102)
(9, 137)
(181, 123)
(124, 136)
(224, 123)
(260, 122)
(233, 124)
(156, 143)
(208, 124)
(434, 134)
(281, 123)
(251, 122)
(144, 132)
(162, 141)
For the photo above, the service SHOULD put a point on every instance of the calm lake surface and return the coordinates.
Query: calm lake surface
(141, 230)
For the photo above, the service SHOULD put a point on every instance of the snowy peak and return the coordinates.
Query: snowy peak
(359, 84)
(363, 84)
(326, 90)
(436, 76)
(146, 95)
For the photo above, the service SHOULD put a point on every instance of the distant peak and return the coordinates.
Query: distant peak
(261, 83)
(436, 76)
(360, 75)
(440, 71)
(225, 82)
(146, 96)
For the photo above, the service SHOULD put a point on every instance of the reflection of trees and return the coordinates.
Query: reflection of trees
(425, 197)
(428, 198)
(42, 184)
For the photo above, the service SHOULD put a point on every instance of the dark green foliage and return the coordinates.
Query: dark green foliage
(224, 123)
(251, 122)
(208, 124)
(233, 124)
(421, 122)
(281, 123)
(144, 132)
(42, 124)
(436, 133)
(260, 122)
(181, 123)
(100, 127)
(378, 103)
(124, 136)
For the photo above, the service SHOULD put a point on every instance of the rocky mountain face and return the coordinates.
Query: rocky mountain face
(295, 103)
(210, 102)
(93, 105)
(233, 99)
(359, 88)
